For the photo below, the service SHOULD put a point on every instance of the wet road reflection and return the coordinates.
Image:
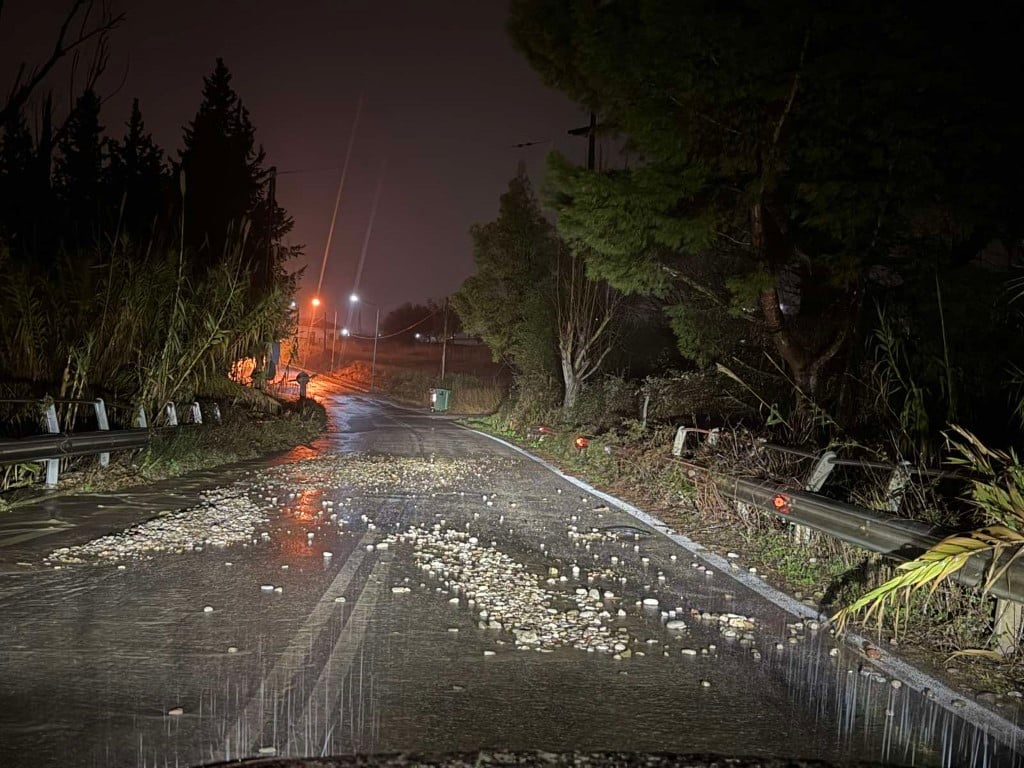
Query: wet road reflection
(325, 635)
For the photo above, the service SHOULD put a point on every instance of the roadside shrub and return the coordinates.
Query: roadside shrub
(604, 402)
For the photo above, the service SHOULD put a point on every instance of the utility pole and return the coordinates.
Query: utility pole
(334, 337)
(590, 131)
(444, 339)
(271, 207)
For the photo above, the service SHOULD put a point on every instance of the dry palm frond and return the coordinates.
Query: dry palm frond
(932, 568)
(997, 490)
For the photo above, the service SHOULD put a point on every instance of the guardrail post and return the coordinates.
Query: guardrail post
(172, 414)
(140, 418)
(197, 412)
(1009, 617)
(815, 480)
(216, 412)
(52, 465)
(103, 424)
(897, 488)
(820, 471)
(679, 444)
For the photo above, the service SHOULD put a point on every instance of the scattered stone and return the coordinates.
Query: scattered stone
(400, 590)
(176, 712)
(207, 609)
(232, 649)
(705, 683)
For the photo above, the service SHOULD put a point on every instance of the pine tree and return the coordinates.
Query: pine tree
(509, 301)
(17, 163)
(137, 177)
(779, 157)
(79, 172)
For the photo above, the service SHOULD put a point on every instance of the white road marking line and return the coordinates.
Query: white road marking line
(250, 722)
(338, 663)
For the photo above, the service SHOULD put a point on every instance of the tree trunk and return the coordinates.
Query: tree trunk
(572, 385)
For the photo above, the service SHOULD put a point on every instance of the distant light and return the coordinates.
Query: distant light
(353, 298)
(316, 302)
(344, 331)
(419, 336)
(293, 304)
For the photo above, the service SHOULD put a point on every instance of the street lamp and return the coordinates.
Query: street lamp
(354, 298)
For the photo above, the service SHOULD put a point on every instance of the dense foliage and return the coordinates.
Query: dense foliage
(787, 169)
(128, 276)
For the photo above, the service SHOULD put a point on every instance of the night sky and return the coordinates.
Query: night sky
(446, 98)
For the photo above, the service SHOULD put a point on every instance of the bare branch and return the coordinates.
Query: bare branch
(26, 81)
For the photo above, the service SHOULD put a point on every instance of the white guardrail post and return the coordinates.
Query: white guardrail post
(102, 424)
(197, 412)
(141, 422)
(897, 488)
(52, 465)
(815, 480)
(172, 414)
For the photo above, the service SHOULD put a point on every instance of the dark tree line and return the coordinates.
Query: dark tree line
(130, 273)
(90, 189)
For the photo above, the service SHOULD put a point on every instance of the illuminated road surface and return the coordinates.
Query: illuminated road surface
(106, 666)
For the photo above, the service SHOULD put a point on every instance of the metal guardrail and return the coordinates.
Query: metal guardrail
(868, 529)
(873, 530)
(56, 445)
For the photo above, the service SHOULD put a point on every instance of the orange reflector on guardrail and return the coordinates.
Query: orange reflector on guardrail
(781, 504)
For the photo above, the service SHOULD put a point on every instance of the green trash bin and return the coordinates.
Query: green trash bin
(439, 399)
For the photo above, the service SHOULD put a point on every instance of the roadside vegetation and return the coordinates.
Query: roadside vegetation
(130, 275)
(765, 257)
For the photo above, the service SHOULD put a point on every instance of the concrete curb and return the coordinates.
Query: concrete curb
(998, 726)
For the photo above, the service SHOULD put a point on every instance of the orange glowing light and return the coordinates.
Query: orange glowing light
(781, 504)
(581, 443)
(316, 302)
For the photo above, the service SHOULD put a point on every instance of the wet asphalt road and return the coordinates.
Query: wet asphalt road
(93, 659)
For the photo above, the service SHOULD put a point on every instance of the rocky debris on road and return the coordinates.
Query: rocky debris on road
(541, 611)
(233, 514)
(223, 517)
(380, 474)
(505, 595)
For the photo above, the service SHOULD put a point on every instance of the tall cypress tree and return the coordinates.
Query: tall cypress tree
(222, 166)
(137, 176)
(17, 163)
